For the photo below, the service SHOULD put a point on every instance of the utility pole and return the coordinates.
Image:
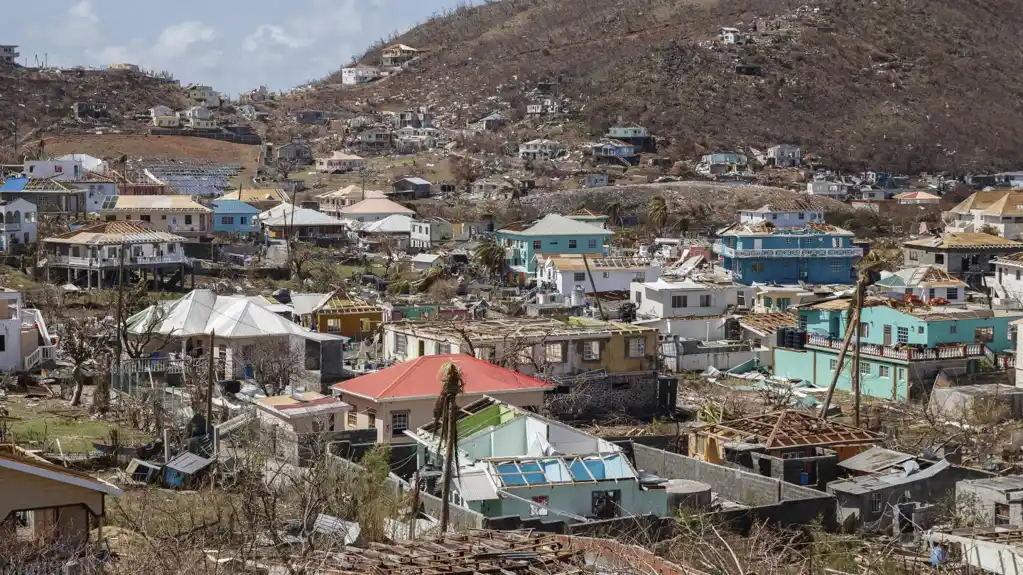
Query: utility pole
(593, 284)
(120, 302)
(209, 388)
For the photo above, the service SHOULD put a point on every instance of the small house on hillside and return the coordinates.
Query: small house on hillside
(410, 188)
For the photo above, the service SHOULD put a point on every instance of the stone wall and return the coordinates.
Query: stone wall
(634, 394)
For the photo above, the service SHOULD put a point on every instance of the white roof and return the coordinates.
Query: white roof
(300, 217)
(661, 285)
(393, 224)
(202, 312)
(425, 258)
(305, 303)
(90, 163)
(558, 225)
(416, 181)
(376, 206)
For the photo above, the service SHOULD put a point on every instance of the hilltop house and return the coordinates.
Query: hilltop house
(399, 398)
(552, 234)
(339, 162)
(544, 107)
(235, 217)
(172, 213)
(492, 189)
(724, 164)
(411, 188)
(638, 136)
(834, 190)
(202, 95)
(513, 462)
(903, 345)
(610, 150)
(566, 273)
(966, 255)
(359, 74)
(397, 55)
(1000, 210)
(297, 150)
(785, 156)
(541, 150)
(787, 244)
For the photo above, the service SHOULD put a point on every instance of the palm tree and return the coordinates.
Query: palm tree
(490, 256)
(657, 213)
(431, 277)
(613, 211)
(446, 425)
(881, 258)
(683, 226)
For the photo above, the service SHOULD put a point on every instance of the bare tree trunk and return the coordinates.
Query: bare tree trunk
(850, 329)
(76, 399)
(450, 432)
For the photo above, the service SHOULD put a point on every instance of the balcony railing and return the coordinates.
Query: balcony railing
(176, 258)
(907, 353)
(728, 252)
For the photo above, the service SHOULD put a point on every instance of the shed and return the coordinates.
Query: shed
(185, 469)
(411, 188)
(423, 262)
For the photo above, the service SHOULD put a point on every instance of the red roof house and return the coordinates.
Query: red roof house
(402, 397)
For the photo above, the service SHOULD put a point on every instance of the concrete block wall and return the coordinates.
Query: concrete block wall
(632, 394)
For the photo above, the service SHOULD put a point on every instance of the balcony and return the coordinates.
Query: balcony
(728, 252)
(80, 262)
(907, 353)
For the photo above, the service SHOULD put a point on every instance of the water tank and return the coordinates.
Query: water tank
(733, 330)
(578, 296)
(790, 338)
(779, 336)
(800, 339)
(687, 494)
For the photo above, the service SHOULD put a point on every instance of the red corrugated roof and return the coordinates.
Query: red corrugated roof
(420, 377)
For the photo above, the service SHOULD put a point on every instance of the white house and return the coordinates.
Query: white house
(429, 232)
(783, 215)
(785, 156)
(729, 35)
(689, 308)
(201, 94)
(423, 262)
(1008, 282)
(25, 342)
(160, 110)
(339, 162)
(56, 169)
(541, 149)
(373, 210)
(359, 74)
(836, 190)
(196, 113)
(563, 273)
(89, 163)
(17, 224)
(925, 283)
(544, 106)
(1001, 210)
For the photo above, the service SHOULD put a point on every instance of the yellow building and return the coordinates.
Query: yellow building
(346, 317)
(173, 213)
(166, 122)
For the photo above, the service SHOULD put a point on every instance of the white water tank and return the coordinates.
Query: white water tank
(578, 296)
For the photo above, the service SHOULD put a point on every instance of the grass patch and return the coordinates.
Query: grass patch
(76, 431)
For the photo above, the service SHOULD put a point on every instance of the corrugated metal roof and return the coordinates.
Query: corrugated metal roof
(334, 527)
(476, 486)
(14, 185)
(965, 240)
(110, 233)
(188, 463)
(874, 460)
(146, 203)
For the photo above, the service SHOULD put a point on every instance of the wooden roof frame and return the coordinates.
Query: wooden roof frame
(790, 428)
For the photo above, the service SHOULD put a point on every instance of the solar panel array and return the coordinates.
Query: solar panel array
(189, 176)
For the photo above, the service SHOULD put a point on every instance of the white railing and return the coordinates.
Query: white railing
(728, 252)
(175, 258)
(41, 354)
(907, 353)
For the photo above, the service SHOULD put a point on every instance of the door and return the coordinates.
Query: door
(758, 244)
(833, 327)
(887, 335)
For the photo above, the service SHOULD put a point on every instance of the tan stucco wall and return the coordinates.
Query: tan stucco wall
(421, 411)
(24, 491)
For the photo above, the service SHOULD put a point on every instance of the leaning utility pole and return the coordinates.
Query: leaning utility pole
(210, 383)
(120, 302)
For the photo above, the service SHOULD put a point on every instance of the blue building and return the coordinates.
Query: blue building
(903, 345)
(234, 217)
(787, 245)
(554, 234)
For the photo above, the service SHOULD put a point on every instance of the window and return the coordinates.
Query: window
(171, 248)
(486, 353)
(980, 335)
(555, 352)
(572, 244)
(951, 293)
(606, 504)
(757, 267)
(836, 266)
(371, 417)
(920, 329)
(864, 369)
(188, 219)
(705, 300)
(802, 216)
(353, 419)
(884, 371)
(930, 293)
(163, 217)
(145, 218)
(591, 351)
(537, 244)
(953, 328)
(580, 276)
(443, 348)
(1017, 275)
(639, 297)
(592, 244)
(607, 275)
(399, 423)
(903, 335)
(635, 347)
(400, 344)
(864, 329)
(938, 258)
(227, 220)
(913, 255)
(1001, 513)
(740, 298)
(875, 503)
(678, 301)
(537, 510)
(900, 373)
(802, 322)
(833, 364)
(334, 325)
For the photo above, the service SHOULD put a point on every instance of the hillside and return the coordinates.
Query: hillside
(902, 85)
(39, 102)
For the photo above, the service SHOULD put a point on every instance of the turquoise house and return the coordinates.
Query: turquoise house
(902, 346)
(234, 217)
(514, 462)
(553, 234)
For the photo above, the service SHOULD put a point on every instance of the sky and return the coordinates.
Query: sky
(233, 45)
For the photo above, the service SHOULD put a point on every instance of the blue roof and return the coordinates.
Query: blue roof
(14, 185)
(233, 207)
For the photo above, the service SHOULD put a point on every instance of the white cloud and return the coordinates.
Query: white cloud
(175, 40)
(270, 34)
(80, 26)
(321, 20)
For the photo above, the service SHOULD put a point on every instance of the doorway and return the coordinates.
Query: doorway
(887, 335)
